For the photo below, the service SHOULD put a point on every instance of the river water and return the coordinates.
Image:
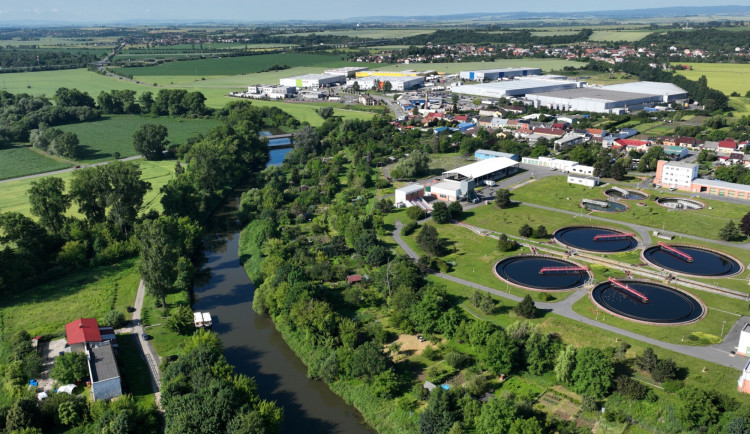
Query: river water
(254, 347)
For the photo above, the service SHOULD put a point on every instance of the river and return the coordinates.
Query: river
(254, 347)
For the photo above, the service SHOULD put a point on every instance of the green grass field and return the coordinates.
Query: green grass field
(233, 65)
(135, 373)
(45, 309)
(554, 191)
(47, 82)
(725, 77)
(13, 193)
(21, 161)
(384, 33)
(97, 146)
(165, 341)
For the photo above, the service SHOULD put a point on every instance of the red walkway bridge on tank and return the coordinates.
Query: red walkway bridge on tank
(568, 269)
(627, 289)
(611, 237)
(676, 251)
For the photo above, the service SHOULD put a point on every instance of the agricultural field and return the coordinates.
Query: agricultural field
(452, 68)
(45, 309)
(158, 173)
(47, 82)
(380, 33)
(20, 160)
(60, 42)
(725, 77)
(217, 67)
(99, 146)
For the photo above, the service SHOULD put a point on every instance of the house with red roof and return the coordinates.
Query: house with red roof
(726, 146)
(632, 144)
(82, 331)
(461, 118)
(596, 132)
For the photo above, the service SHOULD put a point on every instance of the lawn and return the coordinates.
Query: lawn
(554, 191)
(165, 341)
(158, 173)
(20, 160)
(101, 139)
(223, 66)
(45, 309)
(726, 77)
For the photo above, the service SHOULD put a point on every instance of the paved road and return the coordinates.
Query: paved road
(147, 349)
(719, 354)
(70, 169)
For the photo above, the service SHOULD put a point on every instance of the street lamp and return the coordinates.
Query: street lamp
(722, 329)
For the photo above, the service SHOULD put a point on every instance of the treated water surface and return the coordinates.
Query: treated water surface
(582, 237)
(524, 271)
(664, 305)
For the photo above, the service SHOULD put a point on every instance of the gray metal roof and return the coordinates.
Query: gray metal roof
(594, 93)
(102, 363)
(721, 184)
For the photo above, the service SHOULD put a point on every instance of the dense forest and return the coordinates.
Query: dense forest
(712, 40)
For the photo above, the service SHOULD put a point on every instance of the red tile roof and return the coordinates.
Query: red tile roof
(461, 118)
(354, 278)
(728, 144)
(549, 131)
(631, 142)
(82, 330)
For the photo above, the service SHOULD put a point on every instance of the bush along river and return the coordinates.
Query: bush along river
(252, 344)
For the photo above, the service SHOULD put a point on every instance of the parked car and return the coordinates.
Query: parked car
(145, 336)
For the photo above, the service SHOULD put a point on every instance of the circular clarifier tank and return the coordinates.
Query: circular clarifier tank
(623, 193)
(603, 205)
(647, 302)
(680, 204)
(692, 260)
(595, 239)
(542, 273)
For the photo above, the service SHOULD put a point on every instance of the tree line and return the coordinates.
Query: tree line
(26, 60)
(518, 37)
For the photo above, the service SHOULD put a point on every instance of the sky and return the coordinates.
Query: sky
(106, 11)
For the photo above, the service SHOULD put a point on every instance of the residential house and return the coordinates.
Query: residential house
(726, 146)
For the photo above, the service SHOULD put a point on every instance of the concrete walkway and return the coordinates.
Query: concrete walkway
(719, 354)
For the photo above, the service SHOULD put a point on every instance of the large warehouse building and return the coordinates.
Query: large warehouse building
(313, 80)
(618, 98)
(495, 74)
(397, 83)
(515, 88)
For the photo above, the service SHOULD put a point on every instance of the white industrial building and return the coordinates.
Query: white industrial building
(409, 193)
(675, 174)
(515, 88)
(552, 163)
(499, 73)
(448, 190)
(588, 181)
(668, 91)
(582, 170)
(347, 71)
(743, 347)
(397, 83)
(619, 98)
(487, 169)
(270, 91)
(313, 80)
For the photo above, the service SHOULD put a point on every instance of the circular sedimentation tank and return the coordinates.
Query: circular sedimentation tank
(603, 205)
(595, 239)
(629, 195)
(647, 302)
(680, 203)
(692, 260)
(541, 273)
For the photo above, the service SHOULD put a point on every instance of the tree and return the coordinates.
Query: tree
(114, 318)
(22, 415)
(539, 351)
(439, 415)
(355, 86)
(387, 86)
(456, 210)
(416, 213)
(49, 202)
(565, 364)
(181, 320)
(65, 145)
(385, 384)
(150, 140)
(325, 112)
(502, 198)
(665, 369)
(541, 232)
(745, 224)
(593, 373)
(307, 140)
(631, 388)
(70, 367)
(697, 408)
(412, 166)
(504, 244)
(647, 360)
(525, 231)
(483, 301)
(500, 353)
(440, 212)
(73, 412)
(525, 308)
(497, 416)
(429, 240)
(729, 232)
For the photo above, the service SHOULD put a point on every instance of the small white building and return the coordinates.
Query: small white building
(552, 163)
(448, 190)
(409, 193)
(743, 347)
(582, 170)
(313, 80)
(588, 181)
(743, 384)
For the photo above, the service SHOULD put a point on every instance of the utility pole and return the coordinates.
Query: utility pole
(722, 328)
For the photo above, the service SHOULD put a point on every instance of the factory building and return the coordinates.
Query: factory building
(587, 181)
(675, 174)
(270, 91)
(668, 91)
(592, 99)
(496, 74)
(397, 83)
(313, 80)
(346, 71)
(483, 154)
(515, 88)
(487, 169)
(713, 187)
(407, 73)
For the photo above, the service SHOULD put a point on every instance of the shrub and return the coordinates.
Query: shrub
(631, 388)
(525, 308)
(541, 232)
(409, 229)
(545, 296)
(416, 213)
(672, 386)
(114, 318)
(525, 231)
(457, 360)
(439, 373)
(506, 245)
(430, 353)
